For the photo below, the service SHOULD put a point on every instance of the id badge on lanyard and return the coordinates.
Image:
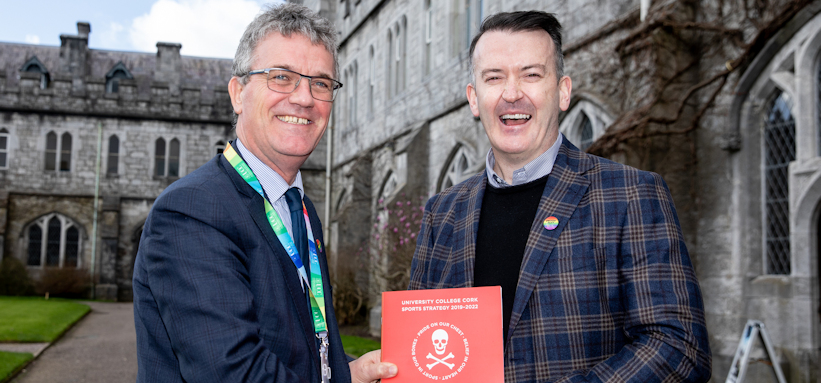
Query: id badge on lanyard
(315, 286)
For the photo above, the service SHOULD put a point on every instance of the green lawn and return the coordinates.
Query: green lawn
(356, 346)
(11, 362)
(34, 319)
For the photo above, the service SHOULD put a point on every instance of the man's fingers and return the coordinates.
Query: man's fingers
(368, 368)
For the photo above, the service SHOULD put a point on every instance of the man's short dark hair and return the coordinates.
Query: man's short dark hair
(524, 21)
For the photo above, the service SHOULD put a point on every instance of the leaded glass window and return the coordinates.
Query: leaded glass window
(159, 157)
(779, 151)
(458, 169)
(65, 152)
(174, 158)
(818, 132)
(53, 245)
(586, 132)
(51, 151)
(35, 245)
(113, 154)
(167, 163)
(54, 241)
(4, 148)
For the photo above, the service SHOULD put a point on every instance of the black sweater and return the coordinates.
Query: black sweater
(504, 226)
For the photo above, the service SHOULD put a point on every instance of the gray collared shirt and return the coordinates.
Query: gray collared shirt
(538, 168)
(274, 185)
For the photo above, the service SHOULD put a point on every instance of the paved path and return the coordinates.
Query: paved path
(102, 347)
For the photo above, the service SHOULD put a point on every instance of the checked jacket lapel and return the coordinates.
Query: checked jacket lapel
(564, 189)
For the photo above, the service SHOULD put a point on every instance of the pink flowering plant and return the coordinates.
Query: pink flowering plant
(393, 241)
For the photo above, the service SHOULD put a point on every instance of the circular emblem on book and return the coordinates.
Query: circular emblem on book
(440, 351)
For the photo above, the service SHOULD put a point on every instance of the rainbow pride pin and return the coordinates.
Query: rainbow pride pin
(551, 223)
(318, 245)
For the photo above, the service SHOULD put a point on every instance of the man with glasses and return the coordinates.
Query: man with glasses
(231, 282)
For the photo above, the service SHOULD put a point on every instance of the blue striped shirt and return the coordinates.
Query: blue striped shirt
(538, 168)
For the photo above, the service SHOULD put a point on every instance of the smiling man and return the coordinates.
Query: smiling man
(231, 281)
(597, 284)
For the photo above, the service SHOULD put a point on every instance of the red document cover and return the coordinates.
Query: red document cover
(444, 334)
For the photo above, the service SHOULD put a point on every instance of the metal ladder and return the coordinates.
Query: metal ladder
(753, 330)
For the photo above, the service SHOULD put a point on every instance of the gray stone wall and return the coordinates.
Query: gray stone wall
(169, 97)
(135, 176)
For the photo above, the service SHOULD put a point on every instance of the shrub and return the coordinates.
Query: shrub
(14, 279)
(64, 283)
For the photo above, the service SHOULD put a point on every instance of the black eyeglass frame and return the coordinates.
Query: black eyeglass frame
(267, 71)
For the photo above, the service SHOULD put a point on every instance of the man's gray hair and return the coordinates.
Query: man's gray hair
(285, 19)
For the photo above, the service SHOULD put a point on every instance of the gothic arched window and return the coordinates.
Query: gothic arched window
(167, 163)
(389, 74)
(584, 122)
(427, 38)
(396, 57)
(35, 66)
(352, 104)
(818, 107)
(65, 152)
(586, 133)
(779, 151)
(113, 154)
(51, 151)
(113, 77)
(58, 149)
(159, 157)
(53, 241)
(389, 186)
(371, 78)
(4, 148)
(35, 245)
(174, 158)
(458, 169)
(53, 235)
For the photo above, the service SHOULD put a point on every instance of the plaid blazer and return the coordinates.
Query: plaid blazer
(609, 295)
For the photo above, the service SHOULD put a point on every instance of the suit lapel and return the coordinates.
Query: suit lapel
(463, 250)
(564, 189)
(256, 208)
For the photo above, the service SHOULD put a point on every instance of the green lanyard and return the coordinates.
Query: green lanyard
(316, 292)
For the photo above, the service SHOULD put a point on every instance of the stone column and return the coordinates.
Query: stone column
(109, 226)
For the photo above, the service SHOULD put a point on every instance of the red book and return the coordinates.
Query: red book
(444, 334)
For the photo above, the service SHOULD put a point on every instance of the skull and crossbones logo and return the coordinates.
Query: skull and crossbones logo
(440, 342)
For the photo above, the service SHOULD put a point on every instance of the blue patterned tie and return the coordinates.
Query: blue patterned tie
(300, 234)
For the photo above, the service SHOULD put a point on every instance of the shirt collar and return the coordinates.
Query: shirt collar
(538, 168)
(272, 183)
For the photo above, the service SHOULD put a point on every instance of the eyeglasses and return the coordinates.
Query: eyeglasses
(282, 80)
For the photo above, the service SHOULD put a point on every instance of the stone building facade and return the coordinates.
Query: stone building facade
(72, 118)
(719, 97)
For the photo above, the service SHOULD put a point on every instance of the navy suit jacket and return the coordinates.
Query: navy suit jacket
(608, 295)
(216, 297)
